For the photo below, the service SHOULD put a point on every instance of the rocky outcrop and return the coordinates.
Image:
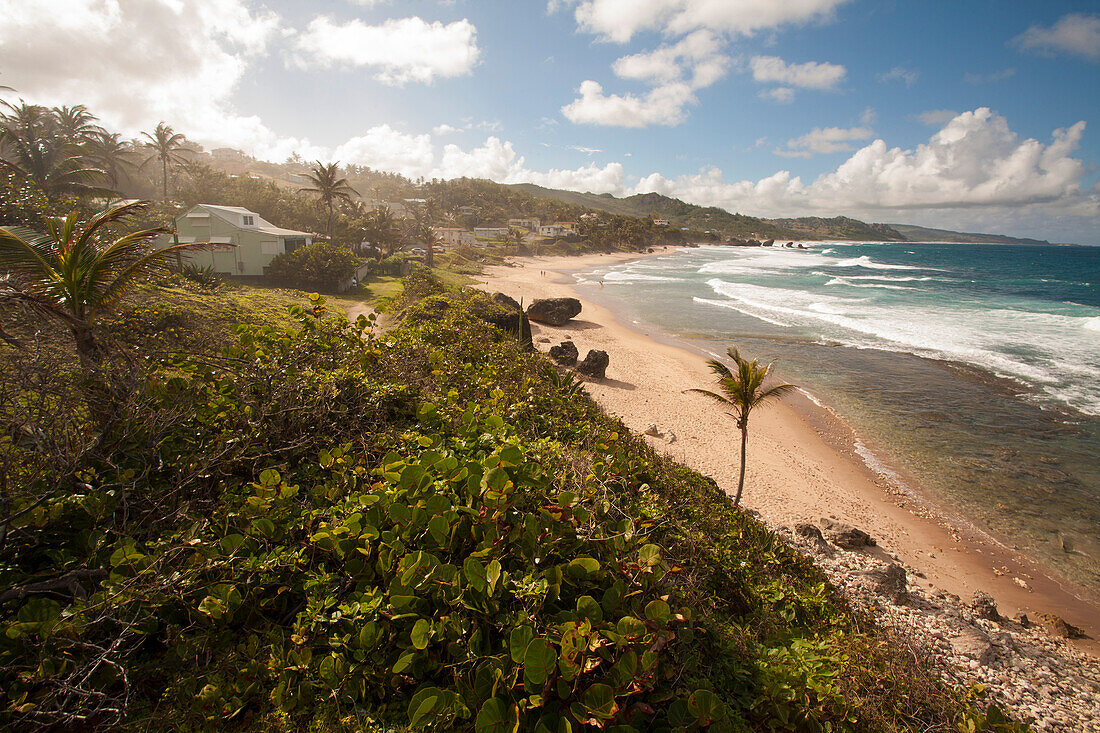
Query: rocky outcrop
(565, 353)
(553, 311)
(1058, 626)
(845, 535)
(512, 320)
(985, 607)
(594, 364)
(892, 584)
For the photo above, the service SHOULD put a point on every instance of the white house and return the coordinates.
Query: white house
(455, 235)
(558, 229)
(244, 242)
(490, 232)
(531, 224)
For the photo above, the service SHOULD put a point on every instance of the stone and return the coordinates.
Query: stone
(553, 311)
(594, 364)
(984, 606)
(512, 320)
(845, 535)
(565, 353)
(545, 340)
(973, 644)
(809, 531)
(652, 430)
(671, 437)
(1058, 626)
(892, 584)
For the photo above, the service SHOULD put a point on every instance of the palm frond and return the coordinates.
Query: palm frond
(26, 251)
(713, 395)
(151, 263)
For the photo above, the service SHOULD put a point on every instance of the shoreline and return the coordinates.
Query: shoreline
(805, 461)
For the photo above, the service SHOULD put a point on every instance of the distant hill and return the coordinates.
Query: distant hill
(683, 214)
(927, 234)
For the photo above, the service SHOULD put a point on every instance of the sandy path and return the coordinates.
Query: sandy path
(801, 465)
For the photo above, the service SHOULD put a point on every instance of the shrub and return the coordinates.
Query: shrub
(206, 277)
(319, 266)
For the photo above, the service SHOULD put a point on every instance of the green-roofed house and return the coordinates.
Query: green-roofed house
(244, 243)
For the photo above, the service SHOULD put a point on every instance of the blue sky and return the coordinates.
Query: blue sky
(976, 115)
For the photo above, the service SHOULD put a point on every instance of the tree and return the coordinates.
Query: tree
(319, 266)
(383, 231)
(75, 271)
(112, 155)
(165, 144)
(34, 146)
(516, 238)
(330, 188)
(742, 391)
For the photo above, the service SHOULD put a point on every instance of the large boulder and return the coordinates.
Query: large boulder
(553, 311)
(845, 535)
(594, 364)
(891, 583)
(512, 319)
(565, 353)
(972, 643)
(984, 606)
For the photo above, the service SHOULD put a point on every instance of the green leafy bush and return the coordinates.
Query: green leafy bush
(318, 266)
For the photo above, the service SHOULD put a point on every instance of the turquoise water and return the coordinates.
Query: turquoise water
(975, 368)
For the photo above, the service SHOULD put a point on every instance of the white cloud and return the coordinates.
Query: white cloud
(445, 129)
(1077, 34)
(824, 140)
(973, 166)
(583, 149)
(141, 61)
(619, 20)
(971, 78)
(937, 117)
(663, 105)
(810, 75)
(782, 95)
(399, 50)
(868, 116)
(675, 72)
(900, 73)
(387, 149)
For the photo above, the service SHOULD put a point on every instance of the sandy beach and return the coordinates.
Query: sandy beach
(802, 463)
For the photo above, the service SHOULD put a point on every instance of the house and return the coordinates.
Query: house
(559, 229)
(490, 232)
(531, 224)
(455, 235)
(244, 242)
(660, 222)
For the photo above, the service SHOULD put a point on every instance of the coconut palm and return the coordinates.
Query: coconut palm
(164, 145)
(75, 124)
(34, 146)
(431, 239)
(742, 391)
(75, 271)
(383, 231)
(330, 188)
(515, 237)
(112, 155)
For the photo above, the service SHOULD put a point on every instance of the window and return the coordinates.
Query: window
(248, 221)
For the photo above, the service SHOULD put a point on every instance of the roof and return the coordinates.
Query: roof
(230, 214)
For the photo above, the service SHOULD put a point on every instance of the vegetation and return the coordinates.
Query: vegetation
(73, 272)
(325, 181)
(742, 391)
(307, 525)
(165, 145)
(318, 266)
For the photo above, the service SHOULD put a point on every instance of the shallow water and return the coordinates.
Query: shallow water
(974, 368)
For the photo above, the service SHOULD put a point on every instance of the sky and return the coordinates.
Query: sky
(979, 115)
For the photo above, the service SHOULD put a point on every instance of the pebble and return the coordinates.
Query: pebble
(1035, 677)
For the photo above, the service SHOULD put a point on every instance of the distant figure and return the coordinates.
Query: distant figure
(601, 283)
(355, 282)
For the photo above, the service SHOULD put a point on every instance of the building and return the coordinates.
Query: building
(244, 243)
(559, 229)
(531, 224)
(455, 235)
(490, 232)
(660, 222)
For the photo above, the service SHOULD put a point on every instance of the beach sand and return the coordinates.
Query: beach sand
(802, 464)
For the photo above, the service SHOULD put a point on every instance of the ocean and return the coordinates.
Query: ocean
(971, 370)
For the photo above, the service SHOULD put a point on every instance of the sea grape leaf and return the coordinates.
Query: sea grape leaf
(539, 661)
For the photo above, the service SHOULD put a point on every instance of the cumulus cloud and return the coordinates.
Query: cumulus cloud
(810, 75)
(937, 117)
(900, 73)
(782, 95)
(619, 20)
(974, 163)
(141, 61)
(445, 129)
(398, 50)
(676, 71)
(1077, 34)
(385, 148)
(824, 140)
(663, 105)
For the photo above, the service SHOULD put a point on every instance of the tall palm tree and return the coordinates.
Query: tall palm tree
(76, 123)
(330, 188)
(742, 391)
(73, 271)
(34, 147)
(515, 237)
(112, 155)
(431, 239)
(165, 145)
(383, 231)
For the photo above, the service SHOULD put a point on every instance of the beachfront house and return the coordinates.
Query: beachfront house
(490, 232)
(454, 236)
(558, 229)
(243, 242)
(529, 224)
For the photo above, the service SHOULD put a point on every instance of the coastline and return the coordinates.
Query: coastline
(804, 460)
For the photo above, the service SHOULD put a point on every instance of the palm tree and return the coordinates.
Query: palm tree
(165, 145)
(515, 237)
(383, 231)
(73, 272)
(742, 391)
(431, 239)
(75, 123)
(329, 188)
(112, 155)
(34, 146)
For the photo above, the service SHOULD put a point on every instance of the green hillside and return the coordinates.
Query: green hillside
(914, 233)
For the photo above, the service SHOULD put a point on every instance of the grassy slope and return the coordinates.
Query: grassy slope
(927, 234)
(240, 639)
